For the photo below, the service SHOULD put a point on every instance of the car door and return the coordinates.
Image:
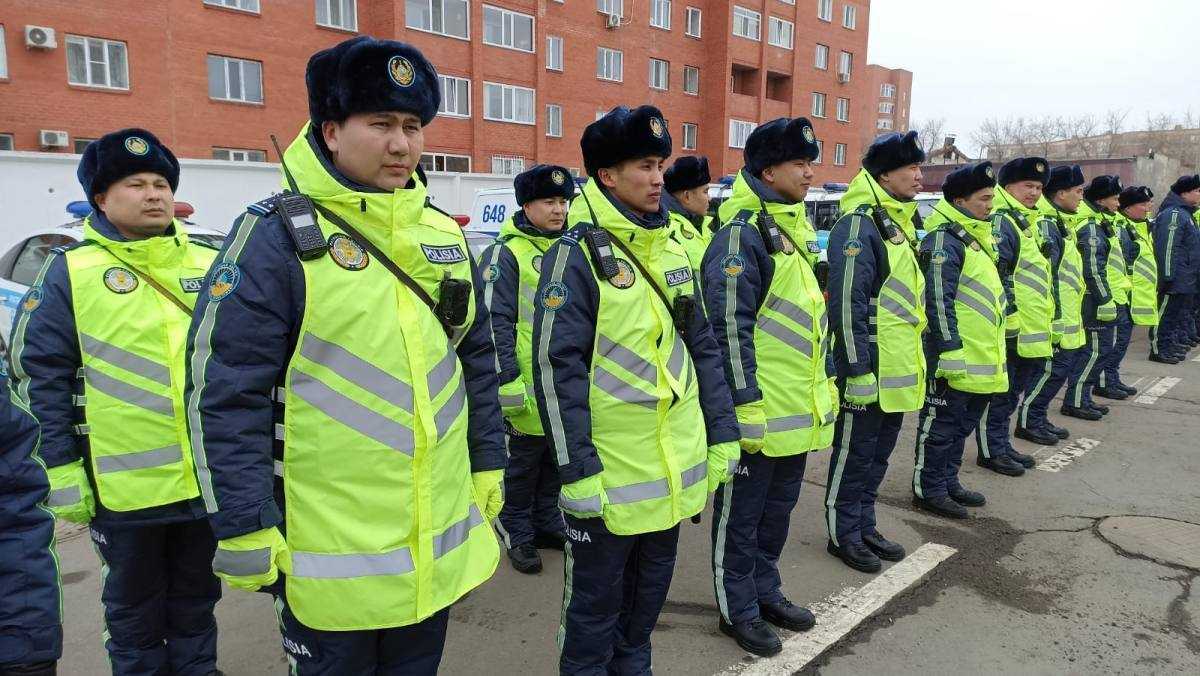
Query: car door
(19, 270)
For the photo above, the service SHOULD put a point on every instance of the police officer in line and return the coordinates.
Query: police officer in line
(1121, 241)
(530, 519)
(768, 316)
(98, 355)
(1024, 264)
(629, 383)
(1134, 216)
(1177, 251)
(686, 200)
(965, 345)
(30, 587)
(877, 315)
(1057, 206)
(343, 394)
(1097, 243)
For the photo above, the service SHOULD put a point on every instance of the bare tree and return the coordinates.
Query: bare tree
(929, 133)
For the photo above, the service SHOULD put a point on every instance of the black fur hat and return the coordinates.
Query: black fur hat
(965, 181)
(1102, 186)
(365, 75)
(1135, 195)
(114, 156)
(689, 171)
(624, 134)
(1024, 169)
(1064, 177)
(892, 151)
(780, 140)
(543, 180)
(1186, 184)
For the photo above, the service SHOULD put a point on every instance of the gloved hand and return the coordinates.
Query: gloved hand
(752, 420)
(1056, 331)
(583, 499)
(253, 560)
(512, 398)
(1107, 312)
(722, 463)
(489, 487)
(835, 397)
(862, 389)
(951, 365)
(71, 496)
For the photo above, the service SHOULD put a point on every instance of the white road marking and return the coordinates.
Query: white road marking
(843, 611)
(1196, 359)
(1074, 449)
(1157, 390)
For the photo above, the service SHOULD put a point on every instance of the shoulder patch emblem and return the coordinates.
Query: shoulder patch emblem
(938, 257)
(852, 248)
(33, 299)
(444, 255)
(191, 284)
(225, 278)
(679, 276)
(537, 263)
(625, 277)
(120, 280)
(491, 273)
(554, 296)
(347, 253)
(733, 265)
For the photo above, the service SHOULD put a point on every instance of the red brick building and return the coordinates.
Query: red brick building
(887, 101)
(521, 78)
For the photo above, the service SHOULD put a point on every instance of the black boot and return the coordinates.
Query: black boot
(1060, 432)
(1110, 393)
(1024, 460)
(754, 636)
(856, 555)
(1001, 465)
(525, 559)
(1081, 413)
(1165, 358)
(967, 498)
(550, 540)
(942, 506)
(787, 615)
(1127, 389)
(883, 547)
(1041, 437)
(1102, 410)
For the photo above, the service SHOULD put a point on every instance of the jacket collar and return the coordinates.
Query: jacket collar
(645, 237)
(164, 250)
(864, 190)
(519, 227)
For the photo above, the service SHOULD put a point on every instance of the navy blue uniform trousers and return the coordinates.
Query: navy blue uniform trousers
(992, 435)
(948, 418)
(159, 592)
(614, 587)
(863, 440)
(1168, 337)
(1113, 353)
(1055, 371)
(530, 491)
(1085, 372)
(751, 515)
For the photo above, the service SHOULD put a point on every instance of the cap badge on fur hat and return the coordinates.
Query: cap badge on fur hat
(401, 71)
(136, 145)
(656, 127)
(558, 177)
(1040, 168)
(987, 171)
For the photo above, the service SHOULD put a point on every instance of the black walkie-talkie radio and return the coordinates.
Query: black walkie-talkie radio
(454, 299)
(301, 220)
(769, 231)
(599, 245)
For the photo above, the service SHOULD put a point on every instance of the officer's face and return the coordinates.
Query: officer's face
(547, 214)
(978, 203)
(637, 183)
(1025, 192)
(376, 149)
(139, 206)
(1068, 200)
(790, 179)
(1110, 203)
(903, 183)
(694, 200)
(1138, 211)
(1192, 197)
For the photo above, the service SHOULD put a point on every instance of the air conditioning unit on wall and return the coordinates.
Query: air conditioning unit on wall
(843, 77)
(613, 21)
(48, 138)
(40, 37)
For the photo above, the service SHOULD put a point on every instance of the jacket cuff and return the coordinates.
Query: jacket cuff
(746, 395)
(580, 469)
(722, 434)
(230, 523)
(486, 461)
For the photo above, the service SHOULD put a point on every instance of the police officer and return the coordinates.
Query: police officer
(876, 299)
(30, 590)
(966, 340)
(686, 199)
(1135, 204)
(1026, 273)
(341, 358)
(1057, 206)
(1104, 279)
(629, 384)
(98, 354)
(1108, 383)
(768, 315)
(530, 518)
(1177, 250)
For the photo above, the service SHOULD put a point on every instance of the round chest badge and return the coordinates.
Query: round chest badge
(558, 177)
(120, 280)
(733, 265)
(625, 276)
(554, 296)
(807, 132)
(687, 234)
(33, 298)
(656, 127)
(537, 263)
(347, 253)
(787, 247)
(225, 278)
(400, 70)
(136, 145)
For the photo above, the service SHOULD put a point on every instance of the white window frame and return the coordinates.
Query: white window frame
(660, 14)
(238, 154)
(839, 154)
(554, 120)
(225, 63)
(819, 101)
(887, 90)
(3, 55)
(842, 108)
(692, 130)
(512, 90)
(347, 9)
(607, 61)
(88, 42)
(508, 28)
(883, 124)
(410, 19)
(687, 23)
(739, 131)
(887, 107)
(443, 82)
(849, 16)
(511, 165)
(11, 142)
(748, 17)
(434, 157)
(825, 10)
(821, 57)
(249, 6)
(554, 53)
(845, 59)
(820, 152)
(660, 67)
(616, 7)
(695, 72)
(781, 32)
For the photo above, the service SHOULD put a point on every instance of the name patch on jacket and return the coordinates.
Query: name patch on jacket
(679, 276)
(191, 284)
(444, 254)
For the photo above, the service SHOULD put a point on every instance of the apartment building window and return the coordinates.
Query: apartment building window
(341, 14)
(690, 133)
(444, 162)
(616, 7)
(845, 61)
(843, 110)
(3, 54)
(691, 80)
(820, 151)
(95, 62)
(692, 27)
(456, 96)
(887, 108)
(244, 5)
(747, 23)
(239, 155)
(554, 120)
(504, 28)
(825, 10)
(739, 131)
(80, 144)
(659, 73)
(554, 53)
(780, 33)
(6, 141)
(507, 103)
(849, 17)
(883, 124)
(818, 104)
(839, 154)
(788, 2)
(822, 57)
(610, 64)
(231, 79)
(887, 91)
(660, 14)
(444, 17)
(505, 164)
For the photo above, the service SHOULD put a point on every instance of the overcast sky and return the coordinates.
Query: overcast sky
(976, 59)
